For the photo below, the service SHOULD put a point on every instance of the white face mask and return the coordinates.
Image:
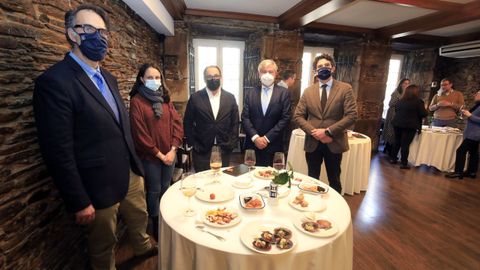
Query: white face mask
(153, 84)
(267, 79)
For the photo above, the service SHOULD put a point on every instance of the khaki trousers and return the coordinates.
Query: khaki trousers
(101, 232)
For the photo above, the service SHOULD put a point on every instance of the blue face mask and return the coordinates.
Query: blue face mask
(324, 73)
(93, 46)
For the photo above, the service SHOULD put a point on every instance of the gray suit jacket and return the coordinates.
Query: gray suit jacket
(340, 113)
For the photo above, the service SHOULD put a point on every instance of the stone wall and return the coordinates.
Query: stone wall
(35, 231)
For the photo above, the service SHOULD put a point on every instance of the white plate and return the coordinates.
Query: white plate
(302, 217)
(233, 222)
(242, 183)
(254, 196)
(297, 180)
(315, 203)
(282, 191)
(256, 173)
(222, 193)
(303, 186)
(253, 230)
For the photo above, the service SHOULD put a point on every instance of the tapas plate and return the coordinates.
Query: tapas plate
(221, 217)
(265, 173)
(256, 229)
(309, 203)
(313, 188)
(315, 225)
(251, 201)
(215, 193)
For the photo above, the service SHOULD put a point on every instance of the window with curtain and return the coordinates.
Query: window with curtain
(394, 69)
(309, 54)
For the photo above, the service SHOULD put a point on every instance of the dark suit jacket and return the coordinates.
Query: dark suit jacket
(340, 113)
(201, 128)
(409, 113)
(273, 123)
(88, 153)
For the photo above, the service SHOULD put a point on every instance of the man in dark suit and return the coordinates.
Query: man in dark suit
(266, 114)
(85, 140)
(211, 118)
(325, 110)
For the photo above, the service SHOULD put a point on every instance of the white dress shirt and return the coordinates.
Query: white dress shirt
(214, 102)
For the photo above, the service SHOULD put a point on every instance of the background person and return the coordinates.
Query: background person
(445, 105)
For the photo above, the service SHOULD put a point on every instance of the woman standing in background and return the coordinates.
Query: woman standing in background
(157, 133)
(388, 131)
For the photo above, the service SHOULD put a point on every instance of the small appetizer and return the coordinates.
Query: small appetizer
(310, 226)
(212, 196)
(324, 224)
(268, 236)
(300, 199)
(282, 233)
(254, 203)
(261, 244)
(284, 243)
(220, 216)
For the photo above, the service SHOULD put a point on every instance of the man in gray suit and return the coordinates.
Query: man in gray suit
(325, 110)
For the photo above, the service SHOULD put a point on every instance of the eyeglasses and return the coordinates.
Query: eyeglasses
(211, 77)
(88, 29)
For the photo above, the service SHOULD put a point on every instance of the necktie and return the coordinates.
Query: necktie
(106, 94)
(323, 99)
(265, 100)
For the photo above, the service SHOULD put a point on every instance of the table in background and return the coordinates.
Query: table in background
(355, 162)
(183, 247)
(435, 147)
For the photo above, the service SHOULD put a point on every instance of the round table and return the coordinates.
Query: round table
(184, 247)
(355, 167)
(435, 147)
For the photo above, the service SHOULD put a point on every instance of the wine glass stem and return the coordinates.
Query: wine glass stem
(189, 209)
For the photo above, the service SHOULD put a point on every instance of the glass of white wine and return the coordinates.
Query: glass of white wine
(216, 162)
(188, 186)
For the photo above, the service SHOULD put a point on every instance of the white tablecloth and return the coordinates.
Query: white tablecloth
(435, 147)
(183, 247)
(355, 162)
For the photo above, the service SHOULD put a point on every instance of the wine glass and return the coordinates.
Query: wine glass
(249, 159)
(279, 161)
(188, 186)
(216, 162)
(460, 113)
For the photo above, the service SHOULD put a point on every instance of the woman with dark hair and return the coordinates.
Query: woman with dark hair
(409, 112)
(470, 143)
(157, 132)
(388, 132)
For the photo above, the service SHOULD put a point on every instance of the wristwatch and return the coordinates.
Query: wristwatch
(328, 133)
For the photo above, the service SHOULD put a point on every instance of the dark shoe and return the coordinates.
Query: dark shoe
(393, 161)
(454, 175)
(470, 175)
(405, 167)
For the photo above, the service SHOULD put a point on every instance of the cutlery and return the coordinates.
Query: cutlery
(201, 227)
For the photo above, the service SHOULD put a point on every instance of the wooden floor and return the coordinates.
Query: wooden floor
(408, 219)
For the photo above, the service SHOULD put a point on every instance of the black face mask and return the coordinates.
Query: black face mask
(324, 73)
(213, 84)
(93, 46)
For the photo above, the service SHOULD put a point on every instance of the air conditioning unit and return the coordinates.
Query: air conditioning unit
(461, 50)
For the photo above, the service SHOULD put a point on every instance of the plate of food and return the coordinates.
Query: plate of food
(298, 179)
(221, 217)
(282, 191)
(313, 188)
(215, 193)
(251, 201)
(315, 225)
(307, 202)
(268, 237)
(265, 174)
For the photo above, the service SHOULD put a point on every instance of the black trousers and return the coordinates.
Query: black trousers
(263, 158)
(332, 164)
(201, 162)
(471, 147)
(403, 139)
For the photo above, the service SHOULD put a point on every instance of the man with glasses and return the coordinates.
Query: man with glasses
(446, 104)
(85, 140)
(211, 118)
(324, 112)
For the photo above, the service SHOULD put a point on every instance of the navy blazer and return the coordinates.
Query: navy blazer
(88, 153)
(201, 127)
(273, 123)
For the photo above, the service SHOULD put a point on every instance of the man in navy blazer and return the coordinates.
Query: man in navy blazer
(85, 140)
(211, 118)
(266, 114)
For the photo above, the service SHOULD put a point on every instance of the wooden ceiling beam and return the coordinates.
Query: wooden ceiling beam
(231, 15)
(468, 12)
(428, 4)
(308, 11)
(176, 8)
(337, 27)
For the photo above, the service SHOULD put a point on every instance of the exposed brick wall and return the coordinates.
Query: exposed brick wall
(35, 231)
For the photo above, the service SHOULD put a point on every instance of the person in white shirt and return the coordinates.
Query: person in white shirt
(211, 118)
(288, 79)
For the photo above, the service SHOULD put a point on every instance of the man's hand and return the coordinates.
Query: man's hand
(85, 216)
(319, 133)
(261, 142)
(170, 157)
(326, 140)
